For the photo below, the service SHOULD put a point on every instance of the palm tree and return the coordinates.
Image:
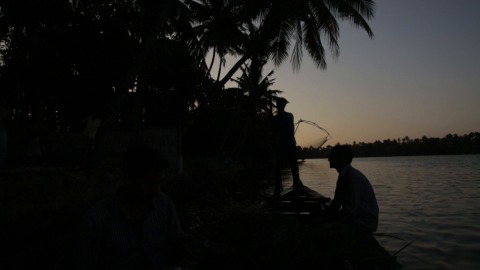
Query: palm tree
(219, 25)
(248, 29)
(307, 22)
(279, 22)
(256, 100)
(262, 29)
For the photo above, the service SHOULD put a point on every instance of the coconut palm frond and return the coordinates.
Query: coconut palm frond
(355, 12)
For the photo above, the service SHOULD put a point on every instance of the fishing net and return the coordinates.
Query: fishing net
(313, 135)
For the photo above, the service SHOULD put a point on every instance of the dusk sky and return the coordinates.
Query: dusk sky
(419, 76)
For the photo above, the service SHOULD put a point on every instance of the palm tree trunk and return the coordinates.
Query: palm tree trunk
(220, 67)
(232, 71)
(211, 62)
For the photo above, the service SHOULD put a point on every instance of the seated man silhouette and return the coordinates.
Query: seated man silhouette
(135, 228)
(285, 146)
(354, 203)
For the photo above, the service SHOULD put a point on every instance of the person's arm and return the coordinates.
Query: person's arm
(352, 196)
(339, 198)
(284, 127)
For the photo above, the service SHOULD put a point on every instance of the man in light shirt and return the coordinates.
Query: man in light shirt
(354, 202)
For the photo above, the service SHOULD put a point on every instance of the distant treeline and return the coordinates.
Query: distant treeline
(448, 145)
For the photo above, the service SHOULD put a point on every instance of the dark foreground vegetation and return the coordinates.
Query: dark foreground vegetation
(448, 145)
(220, 208)
(148, 67)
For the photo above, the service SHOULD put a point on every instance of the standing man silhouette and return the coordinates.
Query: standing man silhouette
(285, 146)
(92, 124)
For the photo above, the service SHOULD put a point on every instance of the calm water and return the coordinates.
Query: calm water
(433, 200)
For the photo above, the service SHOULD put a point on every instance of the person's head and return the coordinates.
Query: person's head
(144, 168)
(281, 103)
(340, 156)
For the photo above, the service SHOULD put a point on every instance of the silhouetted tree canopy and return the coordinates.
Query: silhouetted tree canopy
(448, 145)
(143, 63)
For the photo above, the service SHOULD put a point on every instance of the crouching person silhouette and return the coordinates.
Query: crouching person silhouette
(355, 203)
(135, 228)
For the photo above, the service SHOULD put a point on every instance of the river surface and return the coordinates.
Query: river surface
(433, 201)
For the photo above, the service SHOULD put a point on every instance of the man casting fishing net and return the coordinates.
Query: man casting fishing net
(284, 146)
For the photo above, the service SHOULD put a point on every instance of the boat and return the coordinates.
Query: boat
(302, 201)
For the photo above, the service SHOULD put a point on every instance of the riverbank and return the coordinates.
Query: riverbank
(219, 206)
(40, 205)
